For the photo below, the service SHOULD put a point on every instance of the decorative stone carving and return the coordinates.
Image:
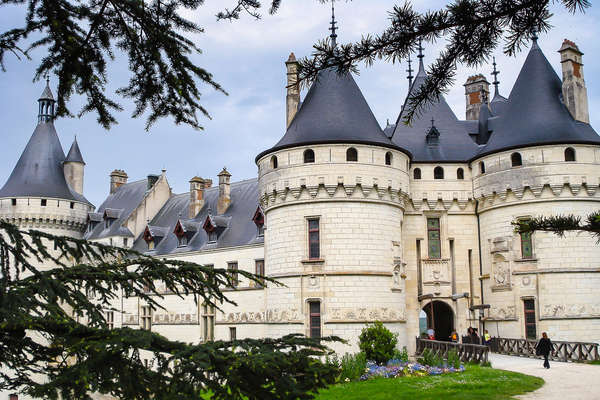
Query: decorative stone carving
(272, 315)
(436, 272)
(383, 314)
(500, 273)
(171, 318)
(503, 313)
(558, 311)
(131, 319)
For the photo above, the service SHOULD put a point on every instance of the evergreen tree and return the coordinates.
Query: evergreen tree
(561, 224)
(81, 38)
(55, 341)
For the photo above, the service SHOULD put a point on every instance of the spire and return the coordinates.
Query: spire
(420, 56)
(333, 35)
(74, 154)
(496, 82)
(46, 104)
(410, 71)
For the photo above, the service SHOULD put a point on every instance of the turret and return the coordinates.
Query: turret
(573, 83)
(46, 105)
(73, 167)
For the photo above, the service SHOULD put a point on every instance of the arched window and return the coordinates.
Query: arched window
(388, 158)
(481, 167)
(569, 154)
(351, 154)
(438, 173)
(417, 173)
(274, 163)
(309, 156)
(460, 173)
(515, 159)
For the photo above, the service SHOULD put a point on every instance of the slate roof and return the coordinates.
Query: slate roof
(455, 145)
(239, 230)
(39, 171)
(119, 205)
(535, 114)
(74, 154)
(334, 111)
(47, 93)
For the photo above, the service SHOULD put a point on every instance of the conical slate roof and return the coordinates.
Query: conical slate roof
(535, 114)
(47, 93)
(74, 153)
(39, 171)
(454, 145)
(334, 111)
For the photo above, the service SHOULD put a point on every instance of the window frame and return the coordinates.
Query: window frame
(306, 158)
(310, 235)
(460, 174)
(529, 311)
(274, 162)
(146, 318)
(436, 172)
(351, 154)
(110, 319)
(208, 322)
(481, 167)
(572, 153)
(232, 270)
(43, 202)
(259, 269)
(516, 160)
(389, 158)
(417, 171)
(430, 254)
(314, 325)
(232, 333)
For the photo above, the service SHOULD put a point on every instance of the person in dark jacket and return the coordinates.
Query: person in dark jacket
(543, 348)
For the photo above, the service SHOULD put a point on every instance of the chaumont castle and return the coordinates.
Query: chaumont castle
(409, 225)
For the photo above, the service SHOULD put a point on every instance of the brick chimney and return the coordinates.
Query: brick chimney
(477, 91)
(224, 191)
(573, 87)
(197, 186)
(293, 89)
(117, 178)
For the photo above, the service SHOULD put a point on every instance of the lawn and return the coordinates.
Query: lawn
(475, 383)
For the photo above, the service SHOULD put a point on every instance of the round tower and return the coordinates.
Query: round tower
(539, 161)
(37, 195)
(333, 192)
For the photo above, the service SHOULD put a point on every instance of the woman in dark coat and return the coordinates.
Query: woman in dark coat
(543, 348)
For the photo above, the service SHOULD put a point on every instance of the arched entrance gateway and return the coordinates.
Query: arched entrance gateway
(440, 318)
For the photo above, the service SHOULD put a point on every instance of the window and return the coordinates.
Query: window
(481, 167)
(460, 173)
(417, 173)
(14, 203)
(515, 159)
(232, 267)
(72, 205)
(107, 223)
(260, 271)
(433, 238)
(212, 236)
(351, 154)
(438, 173)
(232, 334)
(309, 156)
(569, 154)
(314, 250)
(314, 308)
(529, 314)
(146, 319)
(274, 163)
(110, 319)
(259, 221)
(388, 158)
(526, 245)
(44, 202)
(182, 241)
(208, 322)
(125, 242)
(150, 244)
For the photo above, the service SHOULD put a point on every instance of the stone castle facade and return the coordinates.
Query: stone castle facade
(362, 223)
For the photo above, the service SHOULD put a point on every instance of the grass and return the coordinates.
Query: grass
(475, 383)
(595, 362)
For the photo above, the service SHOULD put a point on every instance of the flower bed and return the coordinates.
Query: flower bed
(397, 368)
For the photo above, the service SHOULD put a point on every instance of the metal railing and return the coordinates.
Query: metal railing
(561, 351)
(466, 351)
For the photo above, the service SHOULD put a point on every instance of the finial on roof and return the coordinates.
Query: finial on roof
(410, 71)
(333, 35)
(495, 73)
(432, 122)
(46, 104)
(420, 55)
(534, 36)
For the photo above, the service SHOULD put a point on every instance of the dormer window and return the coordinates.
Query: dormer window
(212, 236)
(110, 215)
(93, 219)
(214, 225)
(259, 221)
(182, 241)
(153, 235)
(185, 231)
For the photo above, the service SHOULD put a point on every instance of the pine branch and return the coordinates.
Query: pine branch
(561, 224)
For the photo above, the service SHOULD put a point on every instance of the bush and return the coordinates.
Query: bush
(430, 359)
(378, 343)
(352, 366)
(400, 355)
(453, 359)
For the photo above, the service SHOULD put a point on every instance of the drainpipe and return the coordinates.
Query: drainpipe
(480, 259)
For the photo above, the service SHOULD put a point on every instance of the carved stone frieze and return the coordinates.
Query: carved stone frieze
(171, 318)
(270, 316)
(366, 314)
(503, 313)
(131, 319)
(580, 310)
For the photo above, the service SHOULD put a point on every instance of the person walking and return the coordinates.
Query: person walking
(543, 348)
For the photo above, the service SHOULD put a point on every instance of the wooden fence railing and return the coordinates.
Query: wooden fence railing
(466, 351)
(561, 351)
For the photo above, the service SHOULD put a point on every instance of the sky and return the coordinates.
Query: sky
(247, 58)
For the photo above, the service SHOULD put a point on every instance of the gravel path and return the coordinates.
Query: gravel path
(564, 380)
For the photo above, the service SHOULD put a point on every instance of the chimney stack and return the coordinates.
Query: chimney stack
(477, 91)
(224, 191)
(117, 178)
(573, 87)
(293, 89)
(197, 186)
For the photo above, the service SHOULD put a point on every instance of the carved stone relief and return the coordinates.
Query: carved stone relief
(570, 310)
(503, 313)
(131, 319)
(366, 314)
(171, 318)
(274, 315)
(500, 272)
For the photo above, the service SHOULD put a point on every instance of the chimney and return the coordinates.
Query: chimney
(117, 178)
(477, 91)
(573, 87)
(224, 191)
(293, 89)
(197, 186)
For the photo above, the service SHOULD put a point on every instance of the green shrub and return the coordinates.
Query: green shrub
(453, 359)
(486, 364)
(400, 355)
(352, 366)
(428, 357)
(378, 343)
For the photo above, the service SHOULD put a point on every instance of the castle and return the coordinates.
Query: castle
(362, 223)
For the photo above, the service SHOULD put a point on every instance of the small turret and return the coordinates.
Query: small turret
(73, 167)
(46, 104)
